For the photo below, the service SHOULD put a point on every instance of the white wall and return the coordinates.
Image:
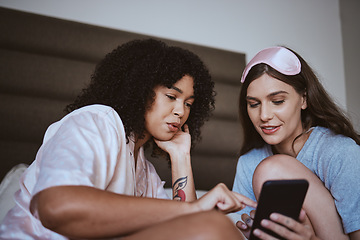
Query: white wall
(350, 20)
(312, 28)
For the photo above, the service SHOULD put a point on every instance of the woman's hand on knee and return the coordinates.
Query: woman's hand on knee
(221, 198)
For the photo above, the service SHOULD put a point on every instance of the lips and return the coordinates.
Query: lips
(269, 129)
(174, 127)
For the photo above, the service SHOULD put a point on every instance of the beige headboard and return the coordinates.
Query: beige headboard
(46, 61)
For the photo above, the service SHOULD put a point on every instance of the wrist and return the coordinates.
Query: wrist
(176, 154)
(181, 157)
(195, 207)
(181, 167)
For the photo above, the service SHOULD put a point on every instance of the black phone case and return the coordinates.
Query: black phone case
(281, 196)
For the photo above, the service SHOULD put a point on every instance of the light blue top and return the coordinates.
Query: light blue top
(335, 159)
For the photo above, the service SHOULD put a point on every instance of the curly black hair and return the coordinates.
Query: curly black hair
(126, 77)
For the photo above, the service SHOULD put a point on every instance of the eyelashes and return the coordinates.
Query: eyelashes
(278, 102)
(173, 98)
(188, 105)
(254, 105)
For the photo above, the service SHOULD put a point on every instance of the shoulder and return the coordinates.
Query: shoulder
(96, 109)
(251, 159)
(95, 113)
(256, 154)
(327, 138)
(324, 145)
(93, 117)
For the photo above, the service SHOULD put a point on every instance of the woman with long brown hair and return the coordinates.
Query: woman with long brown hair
(293, 129)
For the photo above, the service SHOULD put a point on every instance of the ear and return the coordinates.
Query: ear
(304, 101)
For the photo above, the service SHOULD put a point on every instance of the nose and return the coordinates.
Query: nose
(179, 109)
(266, 113)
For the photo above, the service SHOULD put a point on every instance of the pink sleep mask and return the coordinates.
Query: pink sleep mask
(279, 58)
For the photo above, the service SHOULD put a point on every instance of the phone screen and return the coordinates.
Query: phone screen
(281, 196)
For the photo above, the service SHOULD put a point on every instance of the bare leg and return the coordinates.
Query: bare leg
(355, 235)
(208, 225)
(319, 204)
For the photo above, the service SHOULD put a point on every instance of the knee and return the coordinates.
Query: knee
(214, 225)
(275, 167)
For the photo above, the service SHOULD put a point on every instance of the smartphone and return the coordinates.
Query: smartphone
(281, 196)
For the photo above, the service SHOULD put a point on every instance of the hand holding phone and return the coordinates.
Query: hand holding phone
(281, 196)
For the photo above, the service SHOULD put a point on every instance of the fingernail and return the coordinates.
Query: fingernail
(257, 232)
(264, 222)
(274, 216)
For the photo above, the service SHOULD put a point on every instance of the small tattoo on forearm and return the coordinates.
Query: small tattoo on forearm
(178, 185)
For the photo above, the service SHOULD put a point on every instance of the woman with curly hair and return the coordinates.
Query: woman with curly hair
(293, 129)
(90, 178)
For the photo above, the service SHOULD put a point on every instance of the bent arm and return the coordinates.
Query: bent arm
(86, 212)
(182, 176)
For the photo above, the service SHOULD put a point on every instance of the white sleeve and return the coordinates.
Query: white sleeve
(82, 151)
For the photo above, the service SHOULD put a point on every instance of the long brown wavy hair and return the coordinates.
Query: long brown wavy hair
(321, 109)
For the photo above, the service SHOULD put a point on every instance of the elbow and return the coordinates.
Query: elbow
(53, 212)
(51, 217)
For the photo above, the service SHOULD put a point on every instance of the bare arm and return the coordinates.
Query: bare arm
(182, 179)
(86, 212)
(182, 176)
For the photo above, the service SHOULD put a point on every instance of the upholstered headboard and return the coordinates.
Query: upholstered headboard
(45, 62)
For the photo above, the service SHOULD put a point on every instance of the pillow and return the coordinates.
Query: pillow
(9, 185)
